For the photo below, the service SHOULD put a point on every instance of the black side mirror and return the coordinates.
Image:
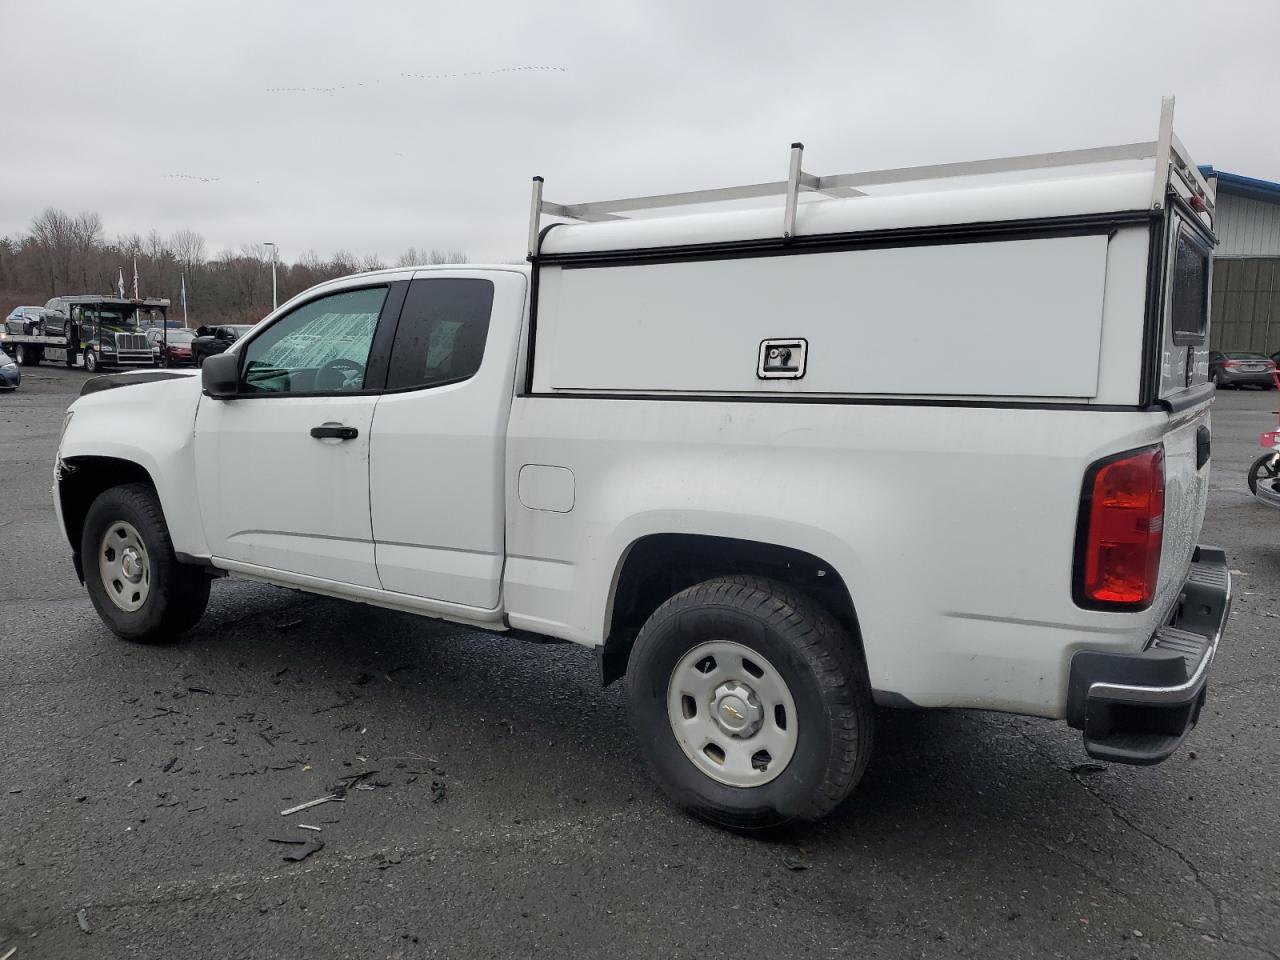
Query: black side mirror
(220, 376)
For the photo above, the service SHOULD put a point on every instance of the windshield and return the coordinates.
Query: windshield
(179, 336)
(112, 318)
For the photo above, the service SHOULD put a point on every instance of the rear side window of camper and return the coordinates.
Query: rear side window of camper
(1190, 299)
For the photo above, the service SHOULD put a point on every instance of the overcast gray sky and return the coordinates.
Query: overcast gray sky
(379, 125)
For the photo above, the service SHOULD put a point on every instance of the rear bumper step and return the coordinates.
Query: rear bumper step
(1138, 708)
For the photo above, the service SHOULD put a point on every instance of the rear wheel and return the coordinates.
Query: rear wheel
(752, 702)
(27, 356)
(135, 581)
(1265, 468)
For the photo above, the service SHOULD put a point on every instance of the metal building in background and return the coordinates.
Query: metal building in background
(1246, 265)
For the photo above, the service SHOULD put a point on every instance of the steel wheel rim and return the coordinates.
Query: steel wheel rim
(732, 714)
(124, 566)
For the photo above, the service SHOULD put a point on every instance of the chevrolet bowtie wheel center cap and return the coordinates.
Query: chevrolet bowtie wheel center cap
(737, 709)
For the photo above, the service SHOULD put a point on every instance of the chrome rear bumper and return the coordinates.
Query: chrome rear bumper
(1138, 708)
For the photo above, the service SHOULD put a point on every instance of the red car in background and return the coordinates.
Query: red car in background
(177, 351)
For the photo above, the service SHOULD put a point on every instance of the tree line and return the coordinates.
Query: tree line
(61, 254)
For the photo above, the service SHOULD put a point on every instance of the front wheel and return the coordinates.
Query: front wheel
(135, 581)
(1265, 468)
(91, 362)
(752, 702)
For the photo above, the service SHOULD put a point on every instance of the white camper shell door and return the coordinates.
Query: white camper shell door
(1009, 318)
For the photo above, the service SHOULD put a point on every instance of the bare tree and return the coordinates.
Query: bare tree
(446, 256)
(53, 239)
(188, 248)
(86, 231)
(63, 254)
(414, 257)
(156, 247)
(343, 262)
(130, 244)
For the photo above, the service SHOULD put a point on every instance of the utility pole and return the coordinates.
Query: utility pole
(274, 251)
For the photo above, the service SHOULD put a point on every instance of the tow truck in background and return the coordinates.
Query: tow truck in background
(105, 331)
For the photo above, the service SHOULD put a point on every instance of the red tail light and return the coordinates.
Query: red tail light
(1121, 531)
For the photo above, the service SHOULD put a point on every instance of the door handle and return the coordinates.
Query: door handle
(335, 431)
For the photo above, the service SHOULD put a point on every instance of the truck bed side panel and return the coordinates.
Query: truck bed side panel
(953, 527)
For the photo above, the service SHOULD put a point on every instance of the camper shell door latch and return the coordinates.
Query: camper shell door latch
(782, 359)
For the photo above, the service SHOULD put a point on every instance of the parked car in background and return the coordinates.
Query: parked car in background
(1237, 368)
(27, 320)
(210, 341)
(173, 350)
(10, 374)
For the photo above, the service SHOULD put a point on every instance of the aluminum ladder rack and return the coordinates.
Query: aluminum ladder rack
(1173, 167)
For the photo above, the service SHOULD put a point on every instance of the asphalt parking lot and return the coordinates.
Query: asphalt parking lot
(506, 810)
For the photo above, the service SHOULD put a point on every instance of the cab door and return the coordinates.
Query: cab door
(283, 467)
(437, 460)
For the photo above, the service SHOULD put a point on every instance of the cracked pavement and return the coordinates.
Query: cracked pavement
(509, 811)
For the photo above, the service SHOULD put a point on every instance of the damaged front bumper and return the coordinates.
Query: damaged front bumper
(1139, 707)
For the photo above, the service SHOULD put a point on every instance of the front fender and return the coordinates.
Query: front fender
(149, 424)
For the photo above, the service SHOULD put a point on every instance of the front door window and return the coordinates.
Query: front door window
(322, 347)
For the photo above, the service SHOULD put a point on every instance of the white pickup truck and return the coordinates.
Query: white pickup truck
(943, 445)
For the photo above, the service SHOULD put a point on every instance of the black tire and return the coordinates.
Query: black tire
(177, 593)
(91, 362)
(822, 668)
(1266, 467)
(28, 356)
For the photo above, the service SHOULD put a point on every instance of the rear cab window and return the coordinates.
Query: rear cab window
(441, 335)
